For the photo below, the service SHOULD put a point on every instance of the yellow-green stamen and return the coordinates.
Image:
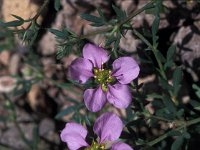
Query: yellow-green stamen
(96, 146)
(103, 77)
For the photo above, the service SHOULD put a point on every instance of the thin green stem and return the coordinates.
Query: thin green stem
(162, 137)
(33, 19)
(115, 53)
(147, 6)
(26, 141)
(7, 147)
(194, 121)
(154, 50)
(148, 116)
(40, 10)
(108, 29)
(160, 118)
(111, 29)
(22, 134)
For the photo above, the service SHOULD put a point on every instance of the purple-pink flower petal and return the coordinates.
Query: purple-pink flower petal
(119, 95)
(125, 69)
(81, 70)
(96, 54)
(74, 135)
(121, 146)
(108, 127)
(94, 99)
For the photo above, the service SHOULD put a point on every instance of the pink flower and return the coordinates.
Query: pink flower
(112, 84)
(107, 127)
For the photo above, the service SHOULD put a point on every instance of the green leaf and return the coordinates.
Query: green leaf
(160, 55)
(18, 17)
(154, 96)
(169, 63)
(57, 5)
(30, 35)
(197, 88)
(130, 114)
(150, 11)
(117, 41)
(177, 78)
(87, 120)
(177, 143)
(165, 113)
(195, 104)
(101, 14)
(146, 32)
(157, 103)
(35, 138)
(174, 133)
(77, 118)
(12, 23)
(180, 113)
(154, 29)
(158, 8)
(97, 24)
(165, 84)
(58, 33)
(171, 51)
(96, 21)
(68, 111)
(110, 40)
(64, 50)
(170, 54)
(169, 104)
(186, 135)
(121, 15)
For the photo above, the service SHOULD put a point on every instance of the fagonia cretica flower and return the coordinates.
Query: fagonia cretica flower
(112, 84)
(107, 127)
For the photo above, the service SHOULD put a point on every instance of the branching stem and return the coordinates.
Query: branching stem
(108, 29)
(40, 10)
(154, 50)
(162, 137)
(14, 113)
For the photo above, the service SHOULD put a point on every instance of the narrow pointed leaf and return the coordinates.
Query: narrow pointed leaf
(177, 77)
(177, 143)
(57, 5)
(120, 14)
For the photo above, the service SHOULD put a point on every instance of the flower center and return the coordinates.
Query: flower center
(103, 77)
(96, 146)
